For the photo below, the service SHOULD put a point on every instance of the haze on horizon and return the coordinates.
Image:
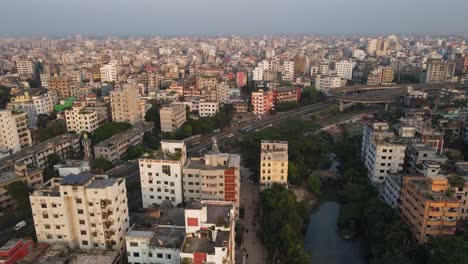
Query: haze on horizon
(200, 17)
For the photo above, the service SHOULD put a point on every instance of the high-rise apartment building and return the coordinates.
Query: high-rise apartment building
(172, 117)
(206, 109)
(262, 102)
(324, 83)
(381, 151)
(60, 85)
(125, 104)
(344, 69)
(215, 176)
(14, 131)
(438, 71)
(273, 163)
(109, 72)
(79, 118)
(161, 174)
(25, 67)
(427, 207)
(84, 211)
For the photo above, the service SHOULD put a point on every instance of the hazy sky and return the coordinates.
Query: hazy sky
(150, 17)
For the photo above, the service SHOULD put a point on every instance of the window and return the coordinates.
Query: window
(78, 201)
(43, 205)
(150, 254)
(80, 211)
(166, 169)
(83, 232)
(46, 226)
(168, 256)
(136, 254)
(159, 255)
(57, 227)
(84, 242)
(134, 244)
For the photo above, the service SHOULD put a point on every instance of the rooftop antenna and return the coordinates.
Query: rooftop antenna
(215, 148)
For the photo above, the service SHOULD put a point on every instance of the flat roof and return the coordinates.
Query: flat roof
(193, 244)
(10, 244)
(7, 177)
(77, 179)
(102, 183)
(168, 237)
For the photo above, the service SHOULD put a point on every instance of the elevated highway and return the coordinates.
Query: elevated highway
(388, 94)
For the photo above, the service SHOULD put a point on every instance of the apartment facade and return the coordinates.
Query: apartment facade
(215, 176)
(63, 145)
(262, 102)
(381, 152)
(161, 174)
(33, 177)
(273, 163)
(426, 207)
(14, 131)
(172, 117)
(344, 69)
(438, 71)
(109, 72)
(324, 83)
(60, 85)
(84, 211)
(204, 245)
(206, 109)
(79, 119)
(25, 67)
(160, 244)
(116, 146)
(125, 104)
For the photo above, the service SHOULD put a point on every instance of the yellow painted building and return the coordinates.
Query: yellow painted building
(273, 163)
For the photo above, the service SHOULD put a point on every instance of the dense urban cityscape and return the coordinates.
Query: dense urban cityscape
(275, 148)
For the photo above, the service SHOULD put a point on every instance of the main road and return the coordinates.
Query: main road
(206, 141)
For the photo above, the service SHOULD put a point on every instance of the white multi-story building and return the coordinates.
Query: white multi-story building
(161, 174)
(257, 74)
(160, 244)
(45, 103)
(392, 189)
(14, 131)
(84, 211)
(44, 79)
(79, 118)
(344, 69)
(25, 67)
(208, 109)
(288, 71)
(109, 72)
(205, 243)
(324, 83)
(381, 152)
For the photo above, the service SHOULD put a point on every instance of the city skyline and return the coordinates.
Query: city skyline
(208, 17)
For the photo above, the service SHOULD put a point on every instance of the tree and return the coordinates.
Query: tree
(101, 165)
(19, 191)
(108, 130)
(453, 250)
(293, 173)
(152, 115)
(313, 182)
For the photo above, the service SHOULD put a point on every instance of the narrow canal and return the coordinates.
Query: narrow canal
(323, 241)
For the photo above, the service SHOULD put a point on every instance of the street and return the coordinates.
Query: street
(253, 250)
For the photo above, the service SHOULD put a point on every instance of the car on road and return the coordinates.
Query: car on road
(231, 135)
(20, 225)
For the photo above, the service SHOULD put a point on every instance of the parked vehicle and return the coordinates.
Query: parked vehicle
(20, 225)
